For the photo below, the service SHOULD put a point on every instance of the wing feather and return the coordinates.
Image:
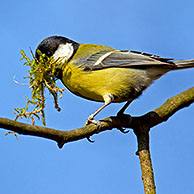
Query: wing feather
(124, 59)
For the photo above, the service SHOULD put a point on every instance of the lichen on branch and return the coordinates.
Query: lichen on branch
(42, 75)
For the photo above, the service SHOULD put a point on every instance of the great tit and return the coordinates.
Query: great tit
(104, 74)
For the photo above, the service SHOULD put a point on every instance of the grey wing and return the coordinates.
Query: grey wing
(127, 59)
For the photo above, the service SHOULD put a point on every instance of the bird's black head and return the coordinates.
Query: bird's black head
(57, 46)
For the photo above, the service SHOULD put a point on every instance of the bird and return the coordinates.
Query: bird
(104, 74)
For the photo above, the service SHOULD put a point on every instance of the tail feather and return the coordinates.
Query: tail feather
(184, 64)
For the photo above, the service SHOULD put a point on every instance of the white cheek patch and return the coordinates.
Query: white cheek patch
(64, 51)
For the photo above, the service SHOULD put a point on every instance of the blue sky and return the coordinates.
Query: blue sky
(35, 165)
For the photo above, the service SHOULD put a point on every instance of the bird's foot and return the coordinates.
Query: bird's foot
(90, 119)
(122, 115)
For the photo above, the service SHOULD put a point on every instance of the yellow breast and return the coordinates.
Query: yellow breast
(123, 83)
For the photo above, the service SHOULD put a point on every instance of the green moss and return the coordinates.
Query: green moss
(42, 76)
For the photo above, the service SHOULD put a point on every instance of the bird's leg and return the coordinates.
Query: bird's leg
(121, 112)
(90, 119)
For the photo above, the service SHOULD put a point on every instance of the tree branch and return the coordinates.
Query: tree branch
(148, 120)
(141, 126)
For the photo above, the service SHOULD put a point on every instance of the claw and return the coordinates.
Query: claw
(123, 130)
(9, 132)
(91, 141)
